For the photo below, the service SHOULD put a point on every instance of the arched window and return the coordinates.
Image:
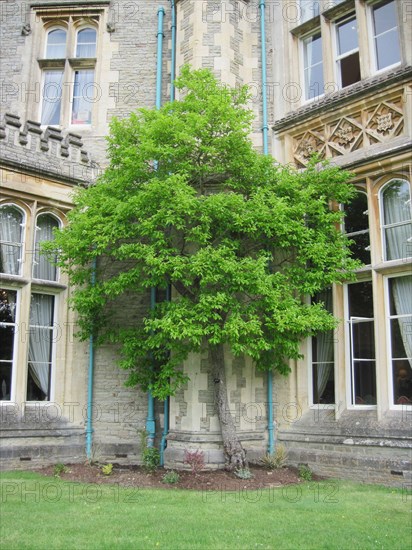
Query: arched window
(11, 238)
(86, 43)
(44, 267)
(56, 44)
(396, 219)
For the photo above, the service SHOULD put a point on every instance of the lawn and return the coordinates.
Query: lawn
(39, 512)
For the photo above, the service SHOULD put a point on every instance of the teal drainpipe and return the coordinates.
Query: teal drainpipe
(150, 419)
(173, 60)
(265, 128)
(89, 425)
(163, 442)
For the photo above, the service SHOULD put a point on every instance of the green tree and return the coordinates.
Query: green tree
(187, 201)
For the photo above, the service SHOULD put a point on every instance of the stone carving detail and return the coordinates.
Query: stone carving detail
(308, 144)
(345, 135)
(363, 127)
(384, 123)
(385, 120)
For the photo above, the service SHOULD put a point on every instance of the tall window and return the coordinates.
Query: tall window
(357, 227)
(396, 219)
(68, 76)
(400, 320)
(323, 376)
(52, 97)
(11, 239)
(42, 267)
(362, 344)
(347, 59)
(8, 331)
(313, 66)
(40, 347)
(386, 34)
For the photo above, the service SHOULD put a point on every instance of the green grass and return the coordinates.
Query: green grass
(38, 512)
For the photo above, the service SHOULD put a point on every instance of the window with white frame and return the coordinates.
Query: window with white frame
(347, 52)
(400, 337)
(68, 74)
(362, 358)
(41, 318)
(11, 239)
(357, 227)
(313, 65)
(396, 219)
(323, 373)
(385, 34)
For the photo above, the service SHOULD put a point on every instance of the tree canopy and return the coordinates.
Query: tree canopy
(187, 201)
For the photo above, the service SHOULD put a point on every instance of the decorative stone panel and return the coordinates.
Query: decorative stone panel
(359, 127)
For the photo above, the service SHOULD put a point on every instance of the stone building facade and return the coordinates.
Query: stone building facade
(339, 84)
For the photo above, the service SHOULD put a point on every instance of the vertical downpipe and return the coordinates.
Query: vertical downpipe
(169, 290)
(150, 420)
(271, 442)
(89, 425)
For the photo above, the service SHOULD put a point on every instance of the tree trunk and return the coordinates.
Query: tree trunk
(235, 456)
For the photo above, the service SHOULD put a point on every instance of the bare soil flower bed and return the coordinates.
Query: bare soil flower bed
(213, 480)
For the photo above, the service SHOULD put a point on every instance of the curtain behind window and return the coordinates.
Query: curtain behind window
(11, 232)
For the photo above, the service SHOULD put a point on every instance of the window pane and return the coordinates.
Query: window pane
(313, 66)
(363, 343)
(363, 376)
(357, 227)
(350, 70)
(52, 95)
(347, 36)
(400, 295)
(313, 50)
(400, 298)
(11, 233)
(364, 383)
(83, 97)
(384, 17)
(7, 335)
(323, 375)
(397, 242)
(397, 202)
(86, 43)
(40, 347)
(387, 49)
(56, 44)
(308, 9)
(360, 300)
(402, 387)
(401, 337)
(44, 268)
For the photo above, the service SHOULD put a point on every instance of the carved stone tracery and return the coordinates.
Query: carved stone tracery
(360, 128)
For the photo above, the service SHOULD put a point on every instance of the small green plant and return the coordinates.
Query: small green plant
(171, 477)
(275, 460)
(151, 458)
(243, 473)
(195, 459)
(305, 472)
(107, 469)
(60, 469)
